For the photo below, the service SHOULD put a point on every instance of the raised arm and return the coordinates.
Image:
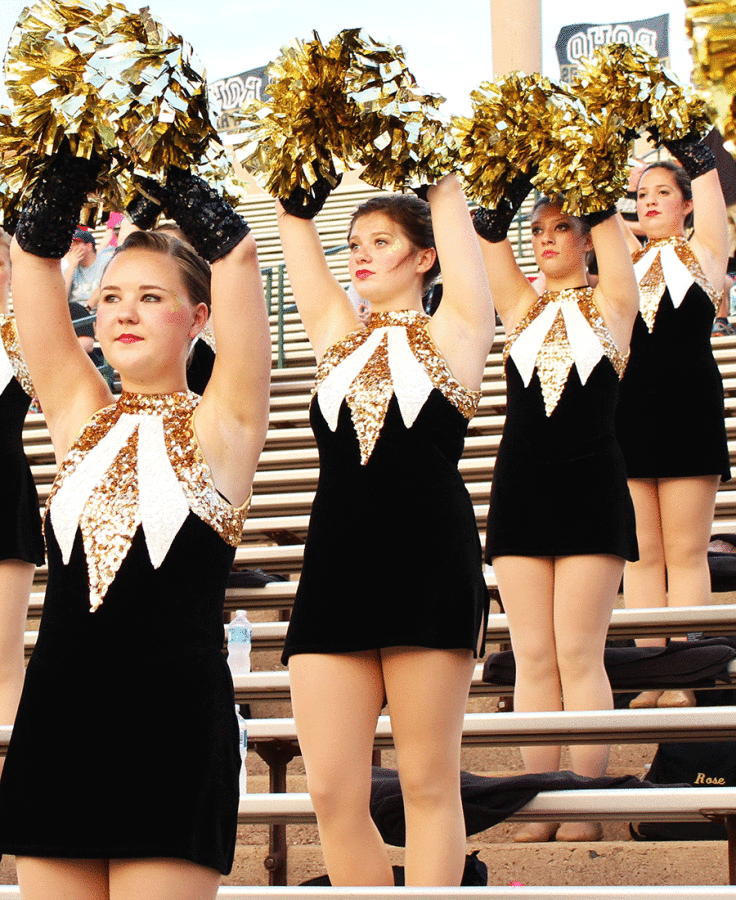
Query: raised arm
(617, 293)
(464, 325)
(510, 288)
(710, 237)
(323, 305)
(232, 417)
(68, 385)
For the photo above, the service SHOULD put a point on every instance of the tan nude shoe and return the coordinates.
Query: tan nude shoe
(579, 831)
(676, 699)
(646, 700)
(536, 832)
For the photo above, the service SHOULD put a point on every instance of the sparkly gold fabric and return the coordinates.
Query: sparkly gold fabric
(11, 344)
(113, 506)
(368, 394)
(555, 357)
(712, 29)
(652, 285)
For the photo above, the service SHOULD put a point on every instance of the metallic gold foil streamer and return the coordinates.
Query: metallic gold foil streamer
(114, 83)
(712, 30)
(629, 82)
(352, 102)
(527, 123)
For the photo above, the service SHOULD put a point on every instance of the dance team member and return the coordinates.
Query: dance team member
(561, 521)
(670, 419)
(98, 798)
(392, 602)
(21, 539)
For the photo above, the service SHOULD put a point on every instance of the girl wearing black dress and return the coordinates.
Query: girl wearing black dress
(392, 601)
(670, 420)
(560, 522)
(21, 540)
(98, 798)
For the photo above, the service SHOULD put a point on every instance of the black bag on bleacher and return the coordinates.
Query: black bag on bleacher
(700, 763)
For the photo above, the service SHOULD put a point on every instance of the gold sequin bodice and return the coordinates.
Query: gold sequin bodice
(562, 329)
(12, 364)
(668, 263)
(136, 463)
(394, 354)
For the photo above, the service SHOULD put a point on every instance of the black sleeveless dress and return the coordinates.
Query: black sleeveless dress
(393, 556)
(20, 520)
(126, 744)
(559, 483)
(670, 418)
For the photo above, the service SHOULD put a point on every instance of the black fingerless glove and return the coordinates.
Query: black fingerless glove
(210, 223)
(695, 156)
(306, 204)
(50, 217)
(493, 224)
(595, 218)
(145, 208)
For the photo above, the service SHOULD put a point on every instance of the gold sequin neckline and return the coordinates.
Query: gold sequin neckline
(668, 263)
(394, 354)
(562, 329)
(136, 463)
(12, 363)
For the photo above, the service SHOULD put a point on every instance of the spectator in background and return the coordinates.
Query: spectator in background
(84, 268)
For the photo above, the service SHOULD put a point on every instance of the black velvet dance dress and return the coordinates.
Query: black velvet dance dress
(126, 744)
(20, 520)
(559, 484)
(670, 418)
(393, 556)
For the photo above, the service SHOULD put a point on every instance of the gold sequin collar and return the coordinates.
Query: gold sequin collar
(394, 354)
(561, 329)
(136, 463)
(12, 364)
(668, 263)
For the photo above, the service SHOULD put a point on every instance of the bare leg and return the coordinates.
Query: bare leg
(687, 507)
(427, 694)
(526, 585)
(645, 581)
(527, 590)
(62, 879)
(162, 879)
(336, 700)
(585, 591)
(16, 579)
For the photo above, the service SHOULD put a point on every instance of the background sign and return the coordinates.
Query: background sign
(577, 41)
(233, 93)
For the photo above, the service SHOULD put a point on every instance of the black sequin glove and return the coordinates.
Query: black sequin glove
(694, 155)
(493, 224)
(422, 192)
(210, 223)
(306, 204)
(148, 204)
(51, 216)
(595, 218)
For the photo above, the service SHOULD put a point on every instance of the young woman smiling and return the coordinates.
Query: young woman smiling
(560, 522)
(670, 420)
(392, 602)
(141, 526)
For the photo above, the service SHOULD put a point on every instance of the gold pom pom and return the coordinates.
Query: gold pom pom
(712, 30)
(114, 83)
(527, 123)
(352, 102)
(627, 81)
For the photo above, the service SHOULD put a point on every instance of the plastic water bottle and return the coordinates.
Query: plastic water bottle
(243, 744)
(239, 637)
